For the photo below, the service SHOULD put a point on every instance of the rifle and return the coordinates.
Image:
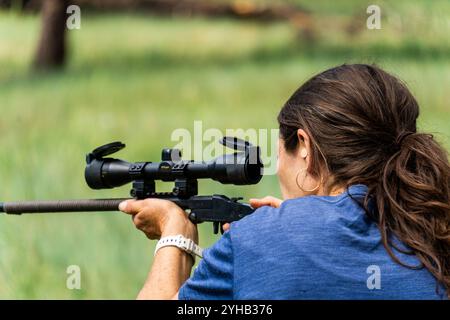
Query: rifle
(243, 167)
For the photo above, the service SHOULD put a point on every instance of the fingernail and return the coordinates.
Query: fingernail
(123, 205)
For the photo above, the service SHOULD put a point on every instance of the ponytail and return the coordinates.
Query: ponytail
(413, 202)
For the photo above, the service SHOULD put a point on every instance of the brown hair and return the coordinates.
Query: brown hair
(362, 125)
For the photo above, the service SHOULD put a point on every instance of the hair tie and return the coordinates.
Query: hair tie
(401, 137)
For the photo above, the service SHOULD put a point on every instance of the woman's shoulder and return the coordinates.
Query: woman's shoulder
(312, 214)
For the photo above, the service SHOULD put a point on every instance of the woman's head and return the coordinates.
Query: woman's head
(356, 124)
(354, 118)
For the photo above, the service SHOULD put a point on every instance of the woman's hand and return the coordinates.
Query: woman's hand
(171, 267)
(256, 203)
(266, 201)
(159, 218)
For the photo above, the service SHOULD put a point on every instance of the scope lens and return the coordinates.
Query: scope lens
(253, 172)
(107, 173)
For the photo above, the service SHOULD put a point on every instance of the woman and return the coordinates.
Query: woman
(365, 213)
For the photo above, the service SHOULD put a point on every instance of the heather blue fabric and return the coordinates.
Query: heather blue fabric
(315, 247)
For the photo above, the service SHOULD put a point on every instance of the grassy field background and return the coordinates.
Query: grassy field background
(137, 78)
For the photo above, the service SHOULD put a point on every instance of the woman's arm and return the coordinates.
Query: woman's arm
(170, 269)
(171, 266)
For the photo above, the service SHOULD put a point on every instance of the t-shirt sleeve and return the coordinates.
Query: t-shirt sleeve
(213, 277)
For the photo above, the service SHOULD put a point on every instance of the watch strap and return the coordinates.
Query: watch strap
(181, 242)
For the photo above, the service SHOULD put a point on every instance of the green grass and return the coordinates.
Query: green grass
(137, 78)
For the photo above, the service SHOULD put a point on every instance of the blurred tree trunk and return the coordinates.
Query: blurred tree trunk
(51, 51)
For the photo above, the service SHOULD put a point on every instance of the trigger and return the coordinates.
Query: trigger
(216, 227)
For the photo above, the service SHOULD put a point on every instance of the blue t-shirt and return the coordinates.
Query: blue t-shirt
(314, 247)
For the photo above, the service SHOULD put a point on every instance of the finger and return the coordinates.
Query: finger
(226, 227)
(138, 220)
(146, 226)
(132, 206)
(275, 202)
(133, 218)
(256, 203)
(266, 201)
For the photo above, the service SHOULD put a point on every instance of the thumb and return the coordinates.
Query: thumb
(131, 206)
(123, 206)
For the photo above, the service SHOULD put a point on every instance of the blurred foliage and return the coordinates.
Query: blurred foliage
(136, 78)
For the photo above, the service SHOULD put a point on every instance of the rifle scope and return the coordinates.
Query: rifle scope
(240, 168)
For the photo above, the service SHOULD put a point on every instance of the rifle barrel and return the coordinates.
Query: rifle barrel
(43, 206)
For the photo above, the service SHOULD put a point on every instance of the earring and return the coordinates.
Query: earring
(303, 153)
(304, 178)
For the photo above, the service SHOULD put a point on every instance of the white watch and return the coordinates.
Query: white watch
(182, 243)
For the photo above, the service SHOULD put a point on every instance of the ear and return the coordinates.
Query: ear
(304, 150)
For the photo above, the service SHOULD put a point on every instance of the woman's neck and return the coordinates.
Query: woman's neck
(330, 190)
